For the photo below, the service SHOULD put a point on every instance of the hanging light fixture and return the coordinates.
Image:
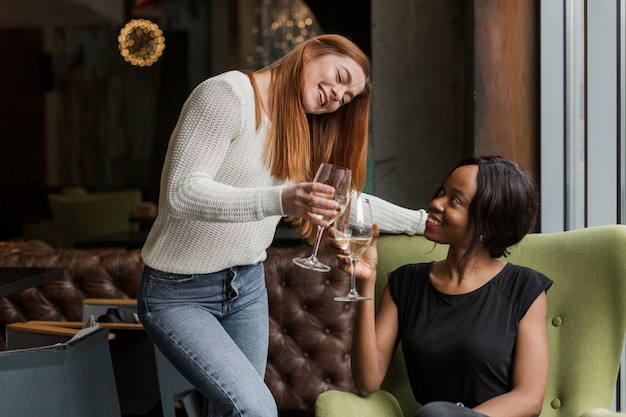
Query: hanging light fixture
(141, 42)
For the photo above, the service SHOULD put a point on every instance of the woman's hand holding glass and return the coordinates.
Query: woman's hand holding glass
(311, 201)
(353, 234)
(365, 269)
(340, 179)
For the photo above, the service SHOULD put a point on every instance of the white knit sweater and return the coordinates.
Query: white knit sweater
(219, 204)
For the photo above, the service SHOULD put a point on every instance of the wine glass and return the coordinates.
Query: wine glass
(353, 232)
(341, 179)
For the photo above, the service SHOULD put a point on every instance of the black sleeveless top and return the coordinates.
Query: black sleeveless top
(459, 348)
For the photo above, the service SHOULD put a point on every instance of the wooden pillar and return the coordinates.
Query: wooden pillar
(504, 69)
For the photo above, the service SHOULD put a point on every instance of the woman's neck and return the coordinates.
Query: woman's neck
(453, 277)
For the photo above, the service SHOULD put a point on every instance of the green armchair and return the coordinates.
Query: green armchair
(586, 322)
(80, 215)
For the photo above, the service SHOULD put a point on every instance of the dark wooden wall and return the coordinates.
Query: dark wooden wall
(111, 120)
(25, 75)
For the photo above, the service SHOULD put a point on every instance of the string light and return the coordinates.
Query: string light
(280, 25)
(141, 42)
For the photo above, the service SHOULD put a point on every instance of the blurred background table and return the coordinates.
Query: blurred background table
(16, 279)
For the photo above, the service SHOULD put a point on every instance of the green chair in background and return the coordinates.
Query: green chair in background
(81, 215)
(586, 322)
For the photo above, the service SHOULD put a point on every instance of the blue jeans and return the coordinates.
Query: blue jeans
(214, 328)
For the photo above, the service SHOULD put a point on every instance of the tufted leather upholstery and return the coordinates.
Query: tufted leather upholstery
(105, 273)
(310, 333)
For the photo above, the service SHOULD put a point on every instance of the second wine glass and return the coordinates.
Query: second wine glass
(353, 232)
(340, 179)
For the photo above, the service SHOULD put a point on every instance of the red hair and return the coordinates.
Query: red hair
(299, 142)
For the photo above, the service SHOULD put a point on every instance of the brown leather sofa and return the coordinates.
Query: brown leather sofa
(310, 333)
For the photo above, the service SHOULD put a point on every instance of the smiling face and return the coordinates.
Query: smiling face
(449, 214)
(331, 81)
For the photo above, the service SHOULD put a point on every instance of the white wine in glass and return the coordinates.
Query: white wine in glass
(353, 232)
(341, 180)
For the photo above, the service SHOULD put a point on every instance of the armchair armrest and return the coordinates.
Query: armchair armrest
(602, 412)
(345, 404)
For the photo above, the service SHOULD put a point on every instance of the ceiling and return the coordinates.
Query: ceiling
(41, 13)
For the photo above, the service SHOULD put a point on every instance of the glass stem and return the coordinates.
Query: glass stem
(320, 229)
(353, 262)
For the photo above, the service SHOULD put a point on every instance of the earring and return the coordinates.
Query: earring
(480, 238)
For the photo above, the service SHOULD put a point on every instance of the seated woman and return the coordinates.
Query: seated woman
(472, 326)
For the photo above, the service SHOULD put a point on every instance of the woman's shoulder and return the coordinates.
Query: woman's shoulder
(227, 93)
(411, 268)
(233, 76)
(409, 274)
(520, 272)
(408, 280)
(234, 81)
(522, 282)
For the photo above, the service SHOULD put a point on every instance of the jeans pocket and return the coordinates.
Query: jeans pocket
(158, 286)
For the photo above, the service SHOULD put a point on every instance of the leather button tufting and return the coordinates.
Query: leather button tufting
(556, 322)
(556, 403)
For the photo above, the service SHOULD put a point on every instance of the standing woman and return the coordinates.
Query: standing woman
(239, 159)
(472, 327)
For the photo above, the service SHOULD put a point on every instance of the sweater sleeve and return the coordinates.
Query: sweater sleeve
(394, 219)
(217, 113)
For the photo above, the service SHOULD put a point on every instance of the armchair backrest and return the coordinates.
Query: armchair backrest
(82, 215)
(586, 311)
